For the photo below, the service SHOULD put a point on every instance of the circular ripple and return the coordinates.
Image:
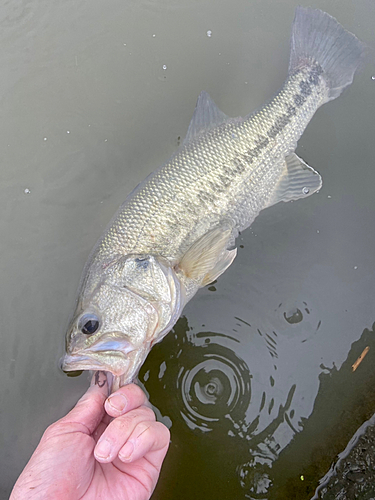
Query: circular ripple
(212, 385)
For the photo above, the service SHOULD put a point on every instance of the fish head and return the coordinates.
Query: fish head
(123, 309)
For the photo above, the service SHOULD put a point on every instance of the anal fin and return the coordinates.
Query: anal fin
(298, 180)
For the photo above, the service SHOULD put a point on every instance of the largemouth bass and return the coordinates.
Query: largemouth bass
(175, 232)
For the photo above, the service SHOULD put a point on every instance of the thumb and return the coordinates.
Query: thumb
(89, 410)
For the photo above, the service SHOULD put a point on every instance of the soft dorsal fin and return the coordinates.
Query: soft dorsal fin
(298, 180)
(206, 116)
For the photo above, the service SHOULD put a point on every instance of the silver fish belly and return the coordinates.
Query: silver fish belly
(175, 232)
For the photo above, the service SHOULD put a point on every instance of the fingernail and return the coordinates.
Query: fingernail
(126, 451)
(103, 449)
(118, 402)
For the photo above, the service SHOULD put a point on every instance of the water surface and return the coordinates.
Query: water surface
(255, 379)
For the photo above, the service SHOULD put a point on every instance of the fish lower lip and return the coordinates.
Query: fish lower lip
(118, 365)
(79, 362)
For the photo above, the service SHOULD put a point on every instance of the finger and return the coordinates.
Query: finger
(147, 438)
(102, 427)
(89, 410)
(118, 431)
(125, 399)
(99, 431)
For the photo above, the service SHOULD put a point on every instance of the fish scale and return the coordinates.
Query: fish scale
(176, 231)
(154, 220)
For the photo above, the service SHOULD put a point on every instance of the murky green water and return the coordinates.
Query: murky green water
(256, 377)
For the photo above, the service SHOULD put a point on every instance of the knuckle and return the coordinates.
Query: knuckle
(118, 427)
(142, 428)
(136, 394)
(137, 390)
(50, 431)
(164, 430)
(121, 425)
(135, 415)
(54, 429)
(131, 420)
(148, 412)
(163, 434)
(154, 432)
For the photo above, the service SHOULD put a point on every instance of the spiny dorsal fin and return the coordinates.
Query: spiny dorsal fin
(299, 180)
(206, 116)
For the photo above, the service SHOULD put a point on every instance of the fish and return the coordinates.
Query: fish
(176, 231)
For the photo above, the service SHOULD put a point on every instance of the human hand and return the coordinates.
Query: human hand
(87, 455)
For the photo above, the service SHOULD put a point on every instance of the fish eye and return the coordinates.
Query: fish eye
(88, 324)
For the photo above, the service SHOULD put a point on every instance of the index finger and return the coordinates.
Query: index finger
(89, 410)
(125, 399)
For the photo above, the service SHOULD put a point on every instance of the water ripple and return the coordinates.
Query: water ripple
(213, 384)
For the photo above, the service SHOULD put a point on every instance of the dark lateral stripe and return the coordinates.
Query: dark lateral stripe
(281, 121)
(306, 88)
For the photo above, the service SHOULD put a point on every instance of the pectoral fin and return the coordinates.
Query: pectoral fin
(298, 180)
(222, 265)
(208, 258)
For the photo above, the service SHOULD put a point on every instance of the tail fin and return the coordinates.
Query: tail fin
(318, 38)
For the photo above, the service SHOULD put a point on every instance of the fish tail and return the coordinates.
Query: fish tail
(318, 39)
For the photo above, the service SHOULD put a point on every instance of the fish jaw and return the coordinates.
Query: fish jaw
(118, 365)
(115, 356)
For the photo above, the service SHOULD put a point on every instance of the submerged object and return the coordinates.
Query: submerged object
(175, 232)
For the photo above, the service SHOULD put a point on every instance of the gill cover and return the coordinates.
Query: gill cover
(153, 279)
(133, 303)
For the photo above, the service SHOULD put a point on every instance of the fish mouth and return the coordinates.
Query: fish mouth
(106, 354)
(118, 365)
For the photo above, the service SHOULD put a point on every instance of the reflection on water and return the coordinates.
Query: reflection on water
(210, 394)
(345, 399)
(213, 392)
(213, 384)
